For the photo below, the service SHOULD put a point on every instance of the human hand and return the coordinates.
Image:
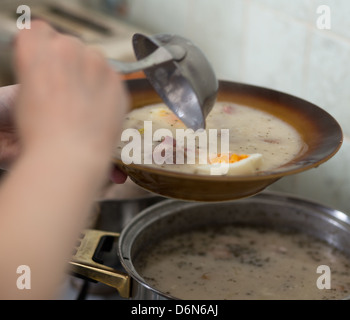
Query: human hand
(9, 146)
(69, 97)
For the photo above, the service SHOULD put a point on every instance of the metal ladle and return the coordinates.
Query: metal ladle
(179, 72)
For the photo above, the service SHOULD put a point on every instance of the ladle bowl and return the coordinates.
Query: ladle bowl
(188, 86)
(179, 72)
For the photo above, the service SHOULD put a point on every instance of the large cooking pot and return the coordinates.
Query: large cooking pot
(267, 209)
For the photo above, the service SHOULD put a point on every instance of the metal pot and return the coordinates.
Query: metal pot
(267, 209)
(114, 215)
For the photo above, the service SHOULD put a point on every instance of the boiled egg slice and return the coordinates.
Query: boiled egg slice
(232, 164)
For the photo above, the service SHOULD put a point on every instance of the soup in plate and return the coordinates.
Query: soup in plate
(238, 140)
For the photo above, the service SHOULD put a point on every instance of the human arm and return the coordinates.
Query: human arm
(67, 112)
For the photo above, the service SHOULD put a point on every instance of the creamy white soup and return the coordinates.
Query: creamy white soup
(244, 139)
(231, 262)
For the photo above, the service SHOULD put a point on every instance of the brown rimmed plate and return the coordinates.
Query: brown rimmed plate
(319, 130)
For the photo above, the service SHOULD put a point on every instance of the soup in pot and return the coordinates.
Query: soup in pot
(238, 140)
(238, 262)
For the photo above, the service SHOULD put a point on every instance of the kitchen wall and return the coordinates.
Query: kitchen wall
(278, 44)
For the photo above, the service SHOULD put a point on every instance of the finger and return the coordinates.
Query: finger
(9, 149)
(7, 96)
(30, 42)
(39, 30)
(117, 176)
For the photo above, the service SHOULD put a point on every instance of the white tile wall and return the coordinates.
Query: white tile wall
(340, 11)
(160, 16)
(219, 37)
(274, 43)
(274, 51)
(295, 9)
(327, 79)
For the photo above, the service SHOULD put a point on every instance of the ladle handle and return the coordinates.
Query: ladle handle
(157, 57)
